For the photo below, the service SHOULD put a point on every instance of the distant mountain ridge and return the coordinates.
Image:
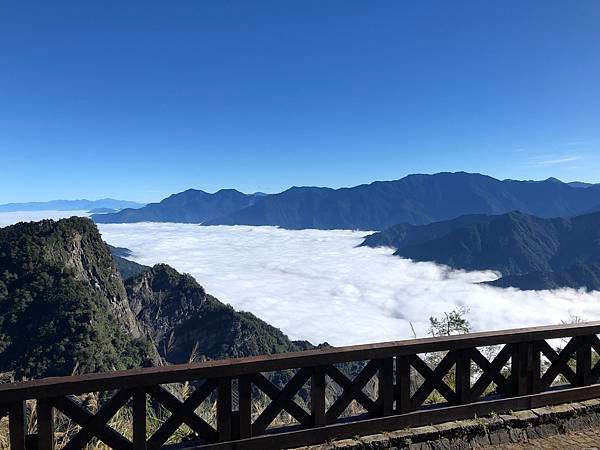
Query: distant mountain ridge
(191, 206)
(415, 199)
(580, 184)
(70, 205)
(530, 252)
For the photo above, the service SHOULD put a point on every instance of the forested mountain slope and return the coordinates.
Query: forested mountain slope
(64, 308)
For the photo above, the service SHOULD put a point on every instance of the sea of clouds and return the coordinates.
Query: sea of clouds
(318, 285)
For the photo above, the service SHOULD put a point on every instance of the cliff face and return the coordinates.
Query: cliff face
(63, 305)
(187, 323)
(65, 309)
(81, 249)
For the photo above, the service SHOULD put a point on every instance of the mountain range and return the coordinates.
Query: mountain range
(415, 199)
(191, 206)
(530, 252)
(70, 205)
(65, 308)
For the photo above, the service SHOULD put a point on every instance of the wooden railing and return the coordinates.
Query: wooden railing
(389, 386)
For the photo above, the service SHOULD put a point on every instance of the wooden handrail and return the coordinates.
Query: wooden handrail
(399, 400)
(78, 384)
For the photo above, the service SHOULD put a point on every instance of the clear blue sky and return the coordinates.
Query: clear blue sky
(141, 99)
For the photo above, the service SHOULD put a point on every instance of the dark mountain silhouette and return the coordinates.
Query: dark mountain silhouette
(579, 275)
(580, 184)
(415, 199)
(191, 206)
(403, 234)
(530, 252)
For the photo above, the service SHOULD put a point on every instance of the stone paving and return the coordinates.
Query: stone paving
(585, 439)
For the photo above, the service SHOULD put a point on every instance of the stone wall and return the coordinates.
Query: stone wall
(515, 427)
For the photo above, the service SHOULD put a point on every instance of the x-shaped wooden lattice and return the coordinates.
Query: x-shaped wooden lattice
(434, 379)
(94, 425)
(282, 399)
(558, 362)
(352, 390)
(491, 372)
(182, 412)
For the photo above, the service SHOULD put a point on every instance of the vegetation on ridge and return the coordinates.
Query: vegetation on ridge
(62, 303)
(530, 252)
(64, 308)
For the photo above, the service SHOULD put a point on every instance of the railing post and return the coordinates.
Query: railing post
(17, 418)
(584, 361)
(224, 413)
(245, 406)
(402, 385)
(317, 397)
(463, 376)
(45, 421)
(386, 386)
(139, 419)
(525, 368)
(536, 368)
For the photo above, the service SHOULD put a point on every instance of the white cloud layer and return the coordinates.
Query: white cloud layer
(317, 285)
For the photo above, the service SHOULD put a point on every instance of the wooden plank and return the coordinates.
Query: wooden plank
(245, 406)
(595, 343)
(58, 386)
(521, 362)
(224, 410)
(45, 423)
(403, 385)
(139, 419)
(417, 418)
(386, 386)
(317, 396)
(17, 423)
(463, 377)
(584, 361)
(535, 371)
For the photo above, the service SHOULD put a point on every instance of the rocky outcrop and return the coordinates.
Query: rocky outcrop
(186, 323)
(63, 306)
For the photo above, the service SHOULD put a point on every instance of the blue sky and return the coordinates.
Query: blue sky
(138, 100)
